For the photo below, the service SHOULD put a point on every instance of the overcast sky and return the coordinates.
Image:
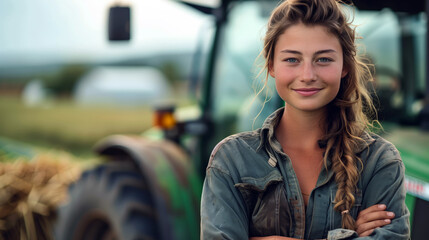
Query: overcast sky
(42, 30)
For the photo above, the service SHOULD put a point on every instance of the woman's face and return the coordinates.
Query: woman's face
(307, 67)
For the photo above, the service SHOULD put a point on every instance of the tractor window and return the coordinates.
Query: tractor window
(397, 49)
(236, 75)
(380, 45)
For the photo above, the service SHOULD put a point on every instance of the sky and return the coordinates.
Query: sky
(34, 32)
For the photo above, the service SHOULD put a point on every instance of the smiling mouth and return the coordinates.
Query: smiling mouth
(307, 91)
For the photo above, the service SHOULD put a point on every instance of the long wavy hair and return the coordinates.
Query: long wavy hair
(348, 114)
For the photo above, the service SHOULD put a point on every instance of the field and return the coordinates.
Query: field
(63, 126)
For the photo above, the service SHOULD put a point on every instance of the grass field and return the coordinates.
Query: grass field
(64, 126)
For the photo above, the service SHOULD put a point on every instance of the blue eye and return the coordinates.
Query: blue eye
(291, 60)
(324, 60)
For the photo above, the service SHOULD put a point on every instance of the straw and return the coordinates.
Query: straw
(30, 193)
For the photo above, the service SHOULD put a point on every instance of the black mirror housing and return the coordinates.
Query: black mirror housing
(119, 23)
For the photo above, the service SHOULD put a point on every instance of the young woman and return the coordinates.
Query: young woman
(312, 171)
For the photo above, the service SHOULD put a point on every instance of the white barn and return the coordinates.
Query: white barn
(125, 86)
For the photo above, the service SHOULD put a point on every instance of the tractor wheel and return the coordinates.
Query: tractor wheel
(109, 202)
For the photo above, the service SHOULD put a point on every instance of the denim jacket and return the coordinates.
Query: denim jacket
(251, 190)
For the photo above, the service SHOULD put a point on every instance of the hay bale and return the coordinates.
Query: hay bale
(30, 193)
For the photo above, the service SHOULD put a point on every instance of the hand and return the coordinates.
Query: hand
(372, 218)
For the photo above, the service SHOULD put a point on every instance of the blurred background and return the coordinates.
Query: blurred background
(63, 85)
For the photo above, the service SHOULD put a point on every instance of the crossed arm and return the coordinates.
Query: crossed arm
(368, 220)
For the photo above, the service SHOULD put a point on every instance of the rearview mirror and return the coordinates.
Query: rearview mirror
(119, 23)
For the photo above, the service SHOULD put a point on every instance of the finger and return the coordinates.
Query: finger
(372, 225)
(373, 208)
(369, 227)
(373, 216)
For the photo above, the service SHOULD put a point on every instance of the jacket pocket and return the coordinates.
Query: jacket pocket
(267, 206)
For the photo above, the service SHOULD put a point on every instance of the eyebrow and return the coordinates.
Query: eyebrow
(316, 53)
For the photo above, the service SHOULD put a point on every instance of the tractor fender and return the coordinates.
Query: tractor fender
(172, 181)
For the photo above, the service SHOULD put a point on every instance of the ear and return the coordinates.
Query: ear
(344, 72)
(271, 70)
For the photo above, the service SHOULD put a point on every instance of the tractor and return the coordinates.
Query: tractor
(150, 185)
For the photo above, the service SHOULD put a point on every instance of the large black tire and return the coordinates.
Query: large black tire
(108, 202)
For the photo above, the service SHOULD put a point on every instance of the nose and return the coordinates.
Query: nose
(308, 73)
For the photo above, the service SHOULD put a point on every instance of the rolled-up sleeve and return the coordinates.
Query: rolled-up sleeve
(223, 214)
